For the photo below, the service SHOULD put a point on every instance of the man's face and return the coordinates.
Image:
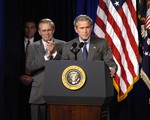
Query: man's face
(83, 29)
(46, 31)
(30, 29)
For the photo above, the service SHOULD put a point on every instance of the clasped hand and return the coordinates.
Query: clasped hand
(50, 48)
(26, 79)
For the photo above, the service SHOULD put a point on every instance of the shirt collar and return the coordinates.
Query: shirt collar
(88, 40)
(31, 40)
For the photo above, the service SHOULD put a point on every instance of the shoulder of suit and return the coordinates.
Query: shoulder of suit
(37, 43)
(72, 41)
(97, 39)
(59, 41)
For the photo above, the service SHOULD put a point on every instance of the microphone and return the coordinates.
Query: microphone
(81, 45)
(74, 45)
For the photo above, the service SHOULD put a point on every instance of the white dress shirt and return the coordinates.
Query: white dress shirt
(26, 42)
(45, 56)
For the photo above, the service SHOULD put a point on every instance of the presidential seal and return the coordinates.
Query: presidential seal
(73, 77)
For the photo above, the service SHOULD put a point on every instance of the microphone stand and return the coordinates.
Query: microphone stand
(75, 52)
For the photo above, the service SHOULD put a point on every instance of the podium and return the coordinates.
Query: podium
(85, 100)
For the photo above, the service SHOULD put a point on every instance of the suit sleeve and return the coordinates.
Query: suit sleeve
(108, 57)
(34, 59)
(64, 53)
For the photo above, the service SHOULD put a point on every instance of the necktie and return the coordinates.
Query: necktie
(28, 42)
(26, 47)
(85, 52)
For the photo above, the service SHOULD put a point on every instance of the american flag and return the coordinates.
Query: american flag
(145, 71)
(116, 21)
(147, 22)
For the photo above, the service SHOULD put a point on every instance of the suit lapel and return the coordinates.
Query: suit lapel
(40, 48)
(92, 49)
(79, 55)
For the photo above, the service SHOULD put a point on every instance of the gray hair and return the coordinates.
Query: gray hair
(82, 18)
(47, 20)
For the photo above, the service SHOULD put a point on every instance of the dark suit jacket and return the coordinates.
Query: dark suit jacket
(23, 56)
(23, 90)
(35, 64)
(98, 50)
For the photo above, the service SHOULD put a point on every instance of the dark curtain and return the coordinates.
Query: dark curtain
(62, 12)
(2, 108)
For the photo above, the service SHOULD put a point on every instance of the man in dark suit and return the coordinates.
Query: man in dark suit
(25, 80)
(94, 48)
(37, 53)
(29, 30)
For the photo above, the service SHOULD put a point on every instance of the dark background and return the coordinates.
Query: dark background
(62, 12)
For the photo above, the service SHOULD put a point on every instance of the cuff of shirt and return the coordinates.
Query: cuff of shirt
(48, 57)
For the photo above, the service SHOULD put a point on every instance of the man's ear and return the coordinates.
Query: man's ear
(75, 28)
(39, 32)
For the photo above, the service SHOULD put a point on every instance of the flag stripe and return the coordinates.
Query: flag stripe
(132, 43)
(147, 19)
(117, 23)
(115, 51)
(132, 9)
(99, 21)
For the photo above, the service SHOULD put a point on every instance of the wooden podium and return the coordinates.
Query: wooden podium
(88, 102)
